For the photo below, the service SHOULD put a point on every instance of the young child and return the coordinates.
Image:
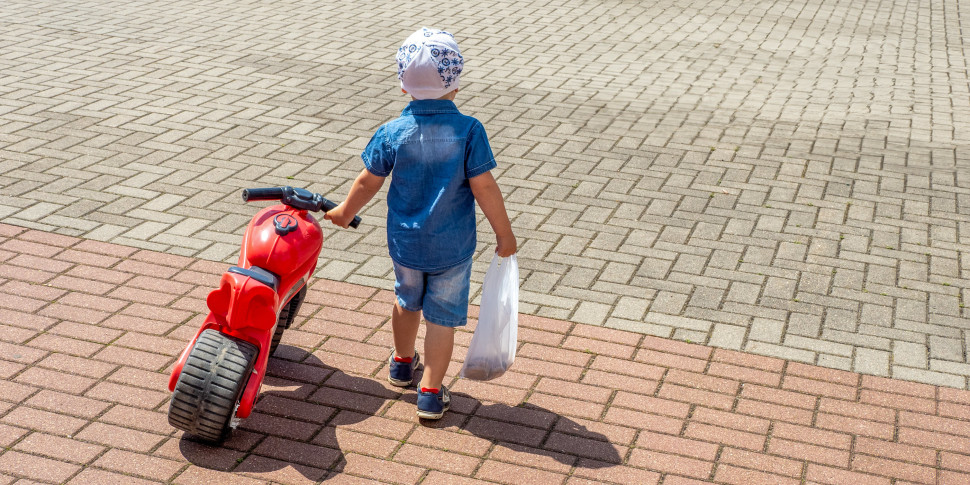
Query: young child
(440, 160)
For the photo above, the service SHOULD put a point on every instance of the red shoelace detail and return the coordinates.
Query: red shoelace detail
(430, 389)
(406, 360)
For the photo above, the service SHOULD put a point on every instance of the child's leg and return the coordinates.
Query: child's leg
(439, 342)
(445, 307)
(409, 290)
(404, 327)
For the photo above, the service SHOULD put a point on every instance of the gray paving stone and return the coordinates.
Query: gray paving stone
(767, 330)
(818, 345)
(804, 324)
(220, 252)
(668, 302)
(579, 277)
(910, 354)
(139, 243)
(727, 336)
(547, 300)
(838, 319)
(630, 308)
(946, 349)
(876, 315)
(81, 225)
(872, 362)
(105, 232)
(145, 230)
(678, 322)
(584, 295)
(780, 351)
(38, 211)
(553, 312)
(834, 361)
(689, 336)
(174, 242)
(949, 367)
(929, 377)
(875, 340)
(618, 272)
(336, 270)
(591, 313)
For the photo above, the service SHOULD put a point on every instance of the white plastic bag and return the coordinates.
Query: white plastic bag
(493, 346)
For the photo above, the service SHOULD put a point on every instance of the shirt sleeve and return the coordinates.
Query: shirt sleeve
(478, 153)
(377, 156)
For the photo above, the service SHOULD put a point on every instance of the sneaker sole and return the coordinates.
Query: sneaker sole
(431, 415)
(427, 415)
(400, 383)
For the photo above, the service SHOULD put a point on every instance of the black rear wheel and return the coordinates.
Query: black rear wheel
(287, 315)
(210, 385)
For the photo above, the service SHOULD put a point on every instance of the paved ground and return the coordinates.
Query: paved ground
(788, 178)
(90, 331)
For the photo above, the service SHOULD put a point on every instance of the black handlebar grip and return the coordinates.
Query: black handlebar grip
(272, 193)
(329, 205)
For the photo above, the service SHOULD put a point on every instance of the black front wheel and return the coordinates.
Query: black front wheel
(287, 315)
(212, 381)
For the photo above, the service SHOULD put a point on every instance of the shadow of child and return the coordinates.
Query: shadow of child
(309, 414)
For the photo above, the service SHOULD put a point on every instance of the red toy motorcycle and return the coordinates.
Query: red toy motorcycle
(217, 378)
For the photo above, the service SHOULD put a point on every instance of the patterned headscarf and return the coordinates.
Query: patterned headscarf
(429, 64)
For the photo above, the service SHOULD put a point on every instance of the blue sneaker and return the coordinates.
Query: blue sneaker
(432, 403)
(402, 369)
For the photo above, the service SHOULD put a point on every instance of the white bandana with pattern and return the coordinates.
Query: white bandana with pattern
(429, 64)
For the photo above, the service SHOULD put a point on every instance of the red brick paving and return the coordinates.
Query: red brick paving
(88, 334)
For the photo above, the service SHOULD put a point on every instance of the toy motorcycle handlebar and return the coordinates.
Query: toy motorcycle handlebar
(272, 193)
(294, 197)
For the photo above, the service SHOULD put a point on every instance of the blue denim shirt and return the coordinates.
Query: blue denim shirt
(430, 152)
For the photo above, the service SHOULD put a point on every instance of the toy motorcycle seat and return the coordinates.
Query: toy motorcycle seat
(259, 274)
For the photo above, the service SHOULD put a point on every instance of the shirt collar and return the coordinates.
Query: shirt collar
(430, 106)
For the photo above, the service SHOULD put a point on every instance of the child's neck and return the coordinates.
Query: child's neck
(449, 97)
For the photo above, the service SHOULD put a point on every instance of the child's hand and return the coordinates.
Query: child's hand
(506, 245)
(339, 217)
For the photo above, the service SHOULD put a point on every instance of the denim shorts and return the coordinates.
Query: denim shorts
(441, 295)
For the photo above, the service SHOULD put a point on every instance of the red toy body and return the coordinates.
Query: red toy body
(254, 303)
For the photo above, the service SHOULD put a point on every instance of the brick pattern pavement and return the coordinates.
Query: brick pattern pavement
(89, 330)
(784, 178)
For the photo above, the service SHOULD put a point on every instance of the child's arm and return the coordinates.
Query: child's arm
(489, 198)
(361, 192)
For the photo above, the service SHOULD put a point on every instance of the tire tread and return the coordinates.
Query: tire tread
(211, 382)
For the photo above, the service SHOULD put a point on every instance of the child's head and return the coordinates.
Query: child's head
(429, 64)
